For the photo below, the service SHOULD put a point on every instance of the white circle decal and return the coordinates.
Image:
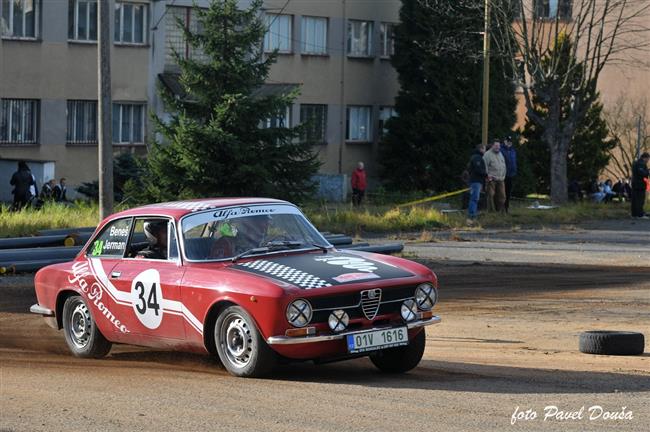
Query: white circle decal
(146, 296)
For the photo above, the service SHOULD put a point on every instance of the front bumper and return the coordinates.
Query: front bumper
(287, 340)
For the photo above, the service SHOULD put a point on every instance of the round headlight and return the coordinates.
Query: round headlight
(299, 313)
(338, 320)
(426, 296)
(409, 310)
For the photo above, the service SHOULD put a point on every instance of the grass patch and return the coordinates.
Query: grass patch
(380, 219)
(51, 216)
(565, 215)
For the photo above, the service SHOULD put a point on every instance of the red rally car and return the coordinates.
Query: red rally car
(249, 280)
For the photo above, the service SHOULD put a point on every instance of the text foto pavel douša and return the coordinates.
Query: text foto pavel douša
(553, 413)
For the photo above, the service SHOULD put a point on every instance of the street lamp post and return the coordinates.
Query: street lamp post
(105, 139)
(486, 75)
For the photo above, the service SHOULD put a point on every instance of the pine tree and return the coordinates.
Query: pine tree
(214, 143)
(438, 58)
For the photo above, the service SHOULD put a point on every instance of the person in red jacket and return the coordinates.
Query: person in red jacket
(359, 184)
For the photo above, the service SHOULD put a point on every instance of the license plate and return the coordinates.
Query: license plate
(377, 339)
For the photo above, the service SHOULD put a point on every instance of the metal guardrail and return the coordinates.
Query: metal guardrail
(29, 254)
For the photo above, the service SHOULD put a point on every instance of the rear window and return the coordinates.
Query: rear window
(112, 240)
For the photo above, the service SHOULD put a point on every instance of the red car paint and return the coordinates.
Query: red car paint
(189, 291)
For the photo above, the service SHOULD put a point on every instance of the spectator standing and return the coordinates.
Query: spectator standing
(495, 188)
(59, 191)
(639, 176)
(477, 175)
(510, 155)
(359, 184)
(21, 180)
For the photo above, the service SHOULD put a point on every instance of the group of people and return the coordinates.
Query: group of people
(494, 169)
(25, 190)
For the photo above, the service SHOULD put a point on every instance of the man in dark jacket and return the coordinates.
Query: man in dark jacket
(21, 180)
(639, 176)
(477, 175)
(59, 191)
(510, 155)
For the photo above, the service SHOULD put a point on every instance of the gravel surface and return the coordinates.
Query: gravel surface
(508, 341)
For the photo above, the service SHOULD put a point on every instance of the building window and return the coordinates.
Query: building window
(387, 39)
(552, 9)
(360, 38)
(314, 35)
(175, 39)
(279, 33)
(314, 120)
(19, 121)
(19, 19)
(358, 125)
(130, 23)
(82, 122)
(128, 123)
(82, 20)
(281, 120)
(385, 114)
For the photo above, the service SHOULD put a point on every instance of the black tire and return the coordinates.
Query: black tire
(612, 343)
(400, 359)
(81, 333)
(241, 348)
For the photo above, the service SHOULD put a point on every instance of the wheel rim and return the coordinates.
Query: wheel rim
(236, 340)
(80, 325)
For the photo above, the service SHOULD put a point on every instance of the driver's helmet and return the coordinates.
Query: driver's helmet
(227, 229)
(152, 229)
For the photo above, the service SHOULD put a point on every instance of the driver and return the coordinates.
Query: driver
(156, 233)
(244, 234)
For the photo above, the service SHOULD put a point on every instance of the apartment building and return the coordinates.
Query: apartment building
(336, 51)
(48, 82)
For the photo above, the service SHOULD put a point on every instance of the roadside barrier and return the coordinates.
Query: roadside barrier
(29, 254)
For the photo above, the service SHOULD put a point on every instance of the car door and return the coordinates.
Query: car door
(153, 285)
(89, 274)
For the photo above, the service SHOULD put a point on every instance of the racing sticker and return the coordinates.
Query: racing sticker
(309, 271)
(146, 296)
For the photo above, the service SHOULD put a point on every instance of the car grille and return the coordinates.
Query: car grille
(360, 304)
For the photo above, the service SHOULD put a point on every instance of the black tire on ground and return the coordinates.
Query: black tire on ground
(612, 343)
(241, 347)
(81, 333)
(400, 359)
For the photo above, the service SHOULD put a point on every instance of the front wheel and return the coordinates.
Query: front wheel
(400, 359)
(81, 333)
(241, 348)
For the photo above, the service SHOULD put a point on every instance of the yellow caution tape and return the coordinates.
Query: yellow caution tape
(433, 198)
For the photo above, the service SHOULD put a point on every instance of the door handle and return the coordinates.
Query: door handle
(115, 274)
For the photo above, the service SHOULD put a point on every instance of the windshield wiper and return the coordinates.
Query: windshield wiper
(321, 247)
(253, 251)
(283, 244)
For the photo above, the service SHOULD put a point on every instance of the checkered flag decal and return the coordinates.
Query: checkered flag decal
(288, 274)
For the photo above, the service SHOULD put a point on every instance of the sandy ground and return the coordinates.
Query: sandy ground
(508, 339)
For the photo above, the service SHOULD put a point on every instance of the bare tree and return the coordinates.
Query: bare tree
(627, 120)
(596, 33)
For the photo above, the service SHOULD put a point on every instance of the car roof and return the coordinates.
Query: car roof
(178, 209)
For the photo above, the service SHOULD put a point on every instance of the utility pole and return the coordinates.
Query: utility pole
(486, 75)
(105, 142)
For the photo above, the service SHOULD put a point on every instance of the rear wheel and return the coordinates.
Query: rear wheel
(400, 359)
(81, 332)
(241, 348)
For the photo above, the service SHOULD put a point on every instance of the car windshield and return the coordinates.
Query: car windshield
(247, 230)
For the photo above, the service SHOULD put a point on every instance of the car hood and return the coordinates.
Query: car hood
(316, 270)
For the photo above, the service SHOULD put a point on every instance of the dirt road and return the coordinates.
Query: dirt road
(508, 340)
